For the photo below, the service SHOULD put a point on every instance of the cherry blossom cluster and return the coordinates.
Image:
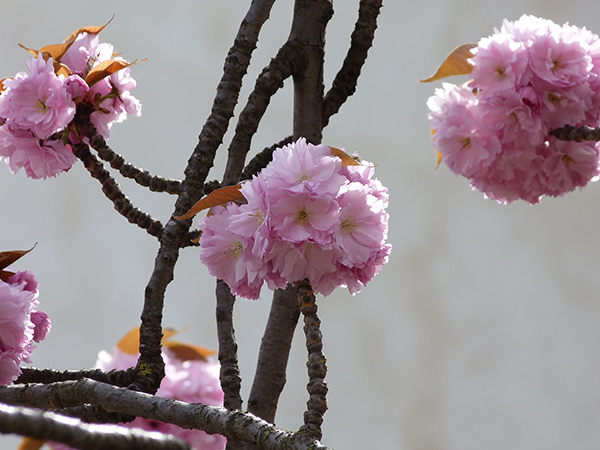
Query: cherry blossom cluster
(306, 216)
(21, 324)
(191, 381)
(530, 77)
(37, 108)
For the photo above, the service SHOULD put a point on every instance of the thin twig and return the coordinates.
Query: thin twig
(576, 134)
(269, 81)
(113, 192)
(316, 364)
(344, 83)
(141, 177)
(120, 378)
(230, 371)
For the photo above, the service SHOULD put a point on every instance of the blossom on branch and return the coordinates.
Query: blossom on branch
(37, 109)
(529, 78)
(306, 215)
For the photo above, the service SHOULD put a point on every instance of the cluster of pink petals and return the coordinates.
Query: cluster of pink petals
(306, 216)
(530, 77)
(20, 323)
(191, 381)
(36, 109)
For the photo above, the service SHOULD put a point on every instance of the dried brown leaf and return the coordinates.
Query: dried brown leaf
(106, 68)
(347, 160)
(216, 197)
(29, 443)
(456, 63)
(9, 257)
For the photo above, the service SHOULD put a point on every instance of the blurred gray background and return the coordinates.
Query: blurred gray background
(481, 332)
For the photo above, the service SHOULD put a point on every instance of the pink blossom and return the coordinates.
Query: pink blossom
(300, 218)
(20, 323)
(228, 255)
(529, 78)
(39, 102)
(306, 217)
(302, 167)
(40, 159)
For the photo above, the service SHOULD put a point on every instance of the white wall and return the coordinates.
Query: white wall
(481, 331)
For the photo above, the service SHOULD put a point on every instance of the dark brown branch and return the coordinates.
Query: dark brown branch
(269, 81)
(344, 84)
(276, 343)
(230, 371)
(308, 30)
(120, 378)
(113, 192)
(142, 177)
(576, 134)
(316, 364)
(150, 365)
(212, 419)
(49, 426)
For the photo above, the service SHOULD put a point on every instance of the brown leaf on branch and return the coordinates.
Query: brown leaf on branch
(106, 68)
(29, 443)
(347, 160)
(216, 197)
(456, 63)
(9, 257)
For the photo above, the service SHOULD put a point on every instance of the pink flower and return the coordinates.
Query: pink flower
(300, 218)
(38, 102)
(228, 255)
(306, 217)
(40, 159)
(20, 323)
(301, 167)
(529, 78)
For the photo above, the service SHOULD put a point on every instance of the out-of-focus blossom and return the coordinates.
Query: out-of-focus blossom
(191, 381)
(306, 216)
(530, 77)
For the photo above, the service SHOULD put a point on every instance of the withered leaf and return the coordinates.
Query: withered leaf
(347, 160)
(217, 197)
(456, 63)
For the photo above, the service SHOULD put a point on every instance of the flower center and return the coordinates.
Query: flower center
(260, 218)
(302, 216)
(466, 142)
(348, 225)
(236, 249)
(40, 105)
(303, 177)
(566, 159)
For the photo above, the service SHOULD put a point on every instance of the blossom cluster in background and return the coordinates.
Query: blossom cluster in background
(191, 381)
(306, 216)
(530, 77)
(37, 108)
(21, 324)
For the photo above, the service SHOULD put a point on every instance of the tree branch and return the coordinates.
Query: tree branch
(230, 371)
(49, 426)
(150, 365)
(212, 419)
(120, 378)
(316, 364)
(344, 84)
(270, 377)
